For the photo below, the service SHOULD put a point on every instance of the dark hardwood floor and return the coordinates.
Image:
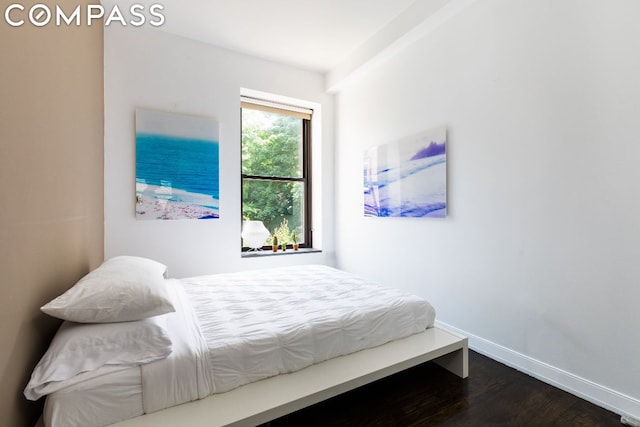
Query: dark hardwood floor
(427, 395)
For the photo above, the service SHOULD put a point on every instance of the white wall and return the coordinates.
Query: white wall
(154, 70)
(538, 257)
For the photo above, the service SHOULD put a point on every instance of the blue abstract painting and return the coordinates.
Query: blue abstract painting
(408, 177)
(177, 166)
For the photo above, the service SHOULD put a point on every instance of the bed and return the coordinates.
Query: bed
(246, 348)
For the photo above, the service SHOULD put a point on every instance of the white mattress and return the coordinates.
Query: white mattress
(253, 325)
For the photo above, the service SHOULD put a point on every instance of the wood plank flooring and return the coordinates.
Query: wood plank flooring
(427, 395)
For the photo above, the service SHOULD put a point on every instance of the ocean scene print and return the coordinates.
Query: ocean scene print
(407, 178)
(177, 166)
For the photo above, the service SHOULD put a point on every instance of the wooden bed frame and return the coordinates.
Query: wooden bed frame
(262, 401)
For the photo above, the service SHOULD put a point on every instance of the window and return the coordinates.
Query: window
(276, 176)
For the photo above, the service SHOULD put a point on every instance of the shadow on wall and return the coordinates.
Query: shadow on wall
(43, 327)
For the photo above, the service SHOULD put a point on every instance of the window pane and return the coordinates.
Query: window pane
(271, 144)
(274, 201)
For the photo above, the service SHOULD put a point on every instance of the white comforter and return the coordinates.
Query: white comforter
(243, 327)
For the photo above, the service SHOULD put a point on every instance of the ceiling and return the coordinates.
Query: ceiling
(312, 34)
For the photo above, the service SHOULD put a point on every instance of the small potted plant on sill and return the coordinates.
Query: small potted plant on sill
(274, 243)
(294, 240)
(283, 233)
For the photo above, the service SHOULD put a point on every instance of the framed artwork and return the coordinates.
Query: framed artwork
(177, 166)
(408, 177)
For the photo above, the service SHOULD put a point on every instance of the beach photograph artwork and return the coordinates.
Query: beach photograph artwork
(408, 177)
(177, 166)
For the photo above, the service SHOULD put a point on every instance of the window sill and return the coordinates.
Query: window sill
(263, 253)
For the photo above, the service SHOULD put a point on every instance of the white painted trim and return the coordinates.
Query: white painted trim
(626, 406)
(627, 420)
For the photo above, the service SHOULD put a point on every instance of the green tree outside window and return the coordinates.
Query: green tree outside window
(272, 169)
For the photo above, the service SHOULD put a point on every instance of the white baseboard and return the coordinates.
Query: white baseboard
(626, 406)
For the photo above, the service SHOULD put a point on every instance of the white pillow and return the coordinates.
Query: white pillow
(122, 289)
(79, 347)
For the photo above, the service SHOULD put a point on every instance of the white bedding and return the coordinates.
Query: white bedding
(232, 329)
(116, 393)
(99, 401)
(263, 323)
